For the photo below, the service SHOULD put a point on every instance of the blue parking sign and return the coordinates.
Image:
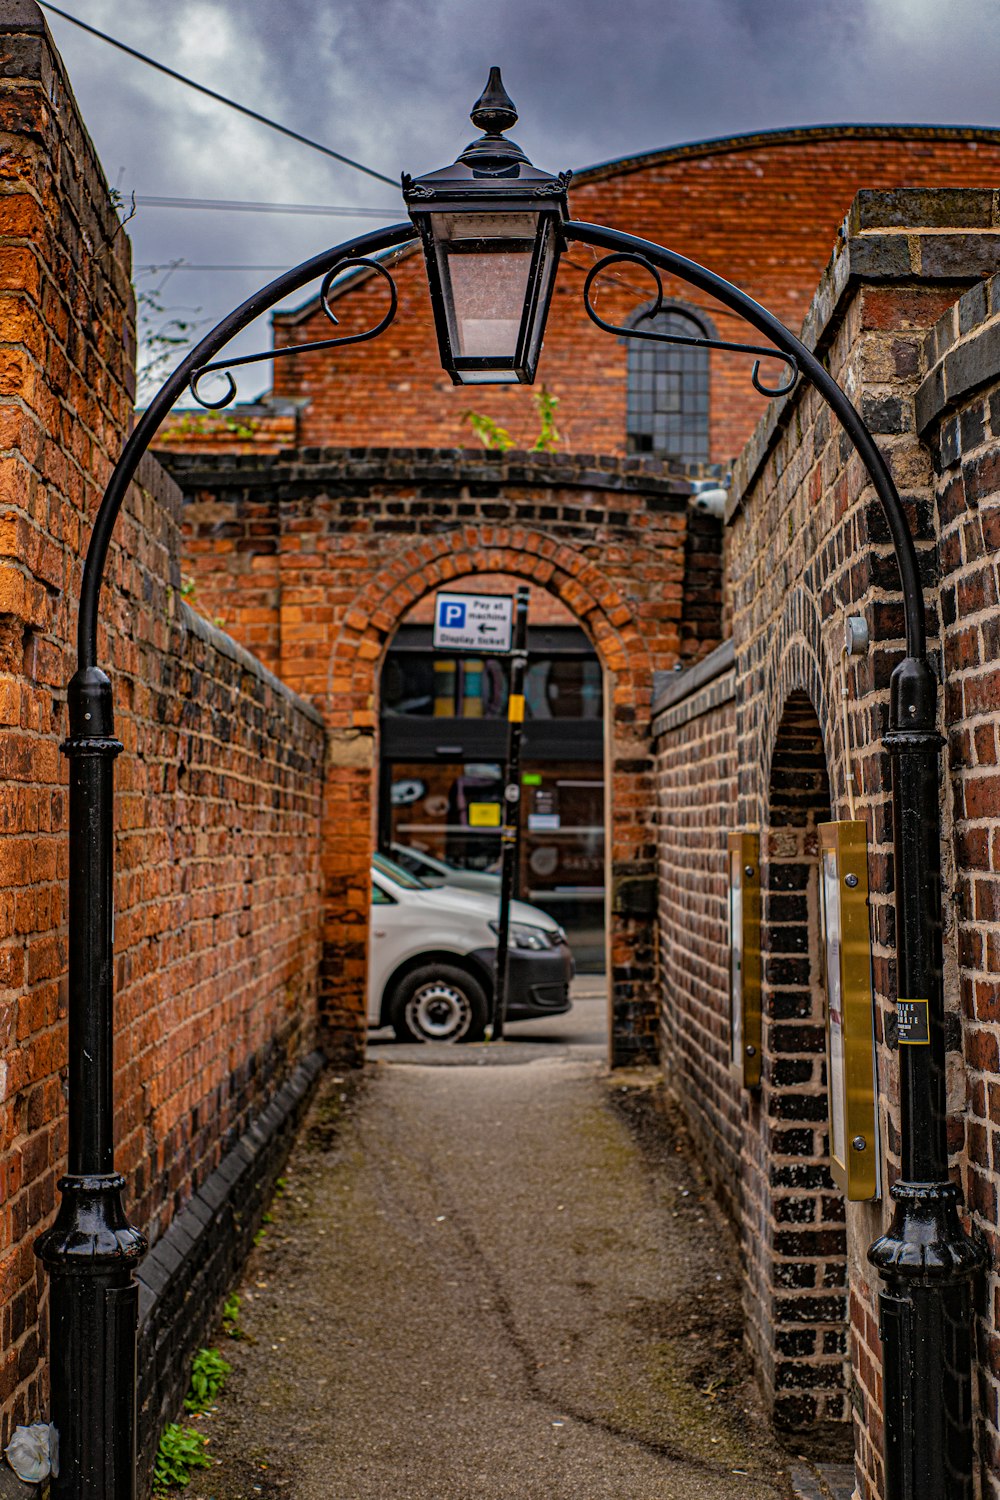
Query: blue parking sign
(451, 614)
(473, 622)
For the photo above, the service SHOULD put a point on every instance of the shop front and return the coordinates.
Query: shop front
(443, 742)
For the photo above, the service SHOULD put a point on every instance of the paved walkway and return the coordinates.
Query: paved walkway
(492, 1273)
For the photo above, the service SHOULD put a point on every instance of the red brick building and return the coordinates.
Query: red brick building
(299, 502)
(762, 210)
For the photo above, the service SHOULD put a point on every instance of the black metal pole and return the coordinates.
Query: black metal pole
(925, 1258)
(926, 1261)
(91, 1251)
(510, 833)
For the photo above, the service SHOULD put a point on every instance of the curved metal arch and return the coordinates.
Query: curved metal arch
(617, 242)
(341, 256)
(633, 331)
(656, 307)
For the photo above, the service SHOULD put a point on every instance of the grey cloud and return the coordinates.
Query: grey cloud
(390, 82)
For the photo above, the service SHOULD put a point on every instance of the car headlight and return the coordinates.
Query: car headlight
(534, 939)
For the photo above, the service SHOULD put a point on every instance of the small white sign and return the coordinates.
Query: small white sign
(473, 622)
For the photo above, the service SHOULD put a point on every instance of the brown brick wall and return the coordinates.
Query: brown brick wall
(695, 746)
(762, 211)
(318, 560)
(807, 546)
(219, 786)
(958, 413)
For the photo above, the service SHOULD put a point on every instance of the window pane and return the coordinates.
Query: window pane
(667, 405)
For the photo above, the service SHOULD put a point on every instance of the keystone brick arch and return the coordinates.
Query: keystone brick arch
(789, 658)
(367, 627)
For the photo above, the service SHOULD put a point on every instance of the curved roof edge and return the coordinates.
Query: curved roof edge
(786, 134)
(713, 146)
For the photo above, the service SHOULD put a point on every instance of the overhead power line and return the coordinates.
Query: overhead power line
(185, 265)
(337, 210)
(151, 62)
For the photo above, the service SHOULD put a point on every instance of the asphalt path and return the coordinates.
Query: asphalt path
(494, 1272)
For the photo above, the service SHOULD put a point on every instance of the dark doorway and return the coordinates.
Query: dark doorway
(443, 723)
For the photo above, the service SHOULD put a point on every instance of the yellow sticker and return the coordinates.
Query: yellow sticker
(484, 815)
(515, 709)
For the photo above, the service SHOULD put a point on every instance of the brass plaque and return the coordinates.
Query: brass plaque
(744, 956)
(850, 1039)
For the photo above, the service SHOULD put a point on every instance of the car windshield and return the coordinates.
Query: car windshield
(396, 872)
(414, 861)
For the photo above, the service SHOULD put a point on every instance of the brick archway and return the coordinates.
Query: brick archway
(366, 628)
(795, 1217)
(312, 558)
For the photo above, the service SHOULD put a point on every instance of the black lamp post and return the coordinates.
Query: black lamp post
(492, 227)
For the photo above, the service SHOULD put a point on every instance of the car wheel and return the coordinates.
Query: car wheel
(438, 1003)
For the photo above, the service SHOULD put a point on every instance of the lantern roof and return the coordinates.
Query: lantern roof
(493, 166)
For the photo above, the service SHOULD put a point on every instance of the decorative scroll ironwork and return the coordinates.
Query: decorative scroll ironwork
(227, 365)
(650, 313)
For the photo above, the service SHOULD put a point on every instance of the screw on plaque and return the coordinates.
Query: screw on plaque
(851, 880)
(859, 1143)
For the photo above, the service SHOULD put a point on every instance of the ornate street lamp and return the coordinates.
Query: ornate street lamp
(490, 231)
(492, 228)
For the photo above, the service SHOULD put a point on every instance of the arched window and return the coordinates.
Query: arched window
(667, 411)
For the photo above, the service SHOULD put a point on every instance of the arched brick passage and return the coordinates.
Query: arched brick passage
(794, 1221)
(313, 560)
(366, 629)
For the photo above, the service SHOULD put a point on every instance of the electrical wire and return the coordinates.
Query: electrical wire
(239, 205)
(151, 62)
(172, 265)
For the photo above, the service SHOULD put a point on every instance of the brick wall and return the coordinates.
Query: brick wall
(694, 728)
(317, 560)
(762, 210)
(957, 411)
(806, 546)
(217, 888)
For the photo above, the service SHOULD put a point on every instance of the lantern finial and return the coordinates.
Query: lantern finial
(494, 110)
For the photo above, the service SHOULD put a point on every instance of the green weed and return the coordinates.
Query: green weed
(231, 1316)
(181, 1451)
(208, 1376)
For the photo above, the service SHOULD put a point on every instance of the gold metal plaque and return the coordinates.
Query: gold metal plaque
(850, 1040)
(744, 955)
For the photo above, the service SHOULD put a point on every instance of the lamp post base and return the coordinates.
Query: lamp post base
(927, 1262)
(91, 1253)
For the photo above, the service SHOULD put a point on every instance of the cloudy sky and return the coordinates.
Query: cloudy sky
(390, 83)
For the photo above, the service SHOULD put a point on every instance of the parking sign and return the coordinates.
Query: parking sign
(473, 622)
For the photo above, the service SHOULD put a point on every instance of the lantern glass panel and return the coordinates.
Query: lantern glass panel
(485, 264)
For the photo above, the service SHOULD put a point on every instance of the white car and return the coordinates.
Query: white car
(434, 872)
(431, 957)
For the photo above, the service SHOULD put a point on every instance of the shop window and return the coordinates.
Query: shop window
(447, 687)
(667, 410)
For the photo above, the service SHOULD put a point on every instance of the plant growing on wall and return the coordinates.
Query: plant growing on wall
(181, 1451)
(208, 1376)
(493, 436)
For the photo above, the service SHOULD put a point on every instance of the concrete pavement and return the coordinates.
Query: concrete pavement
(493, 1273)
